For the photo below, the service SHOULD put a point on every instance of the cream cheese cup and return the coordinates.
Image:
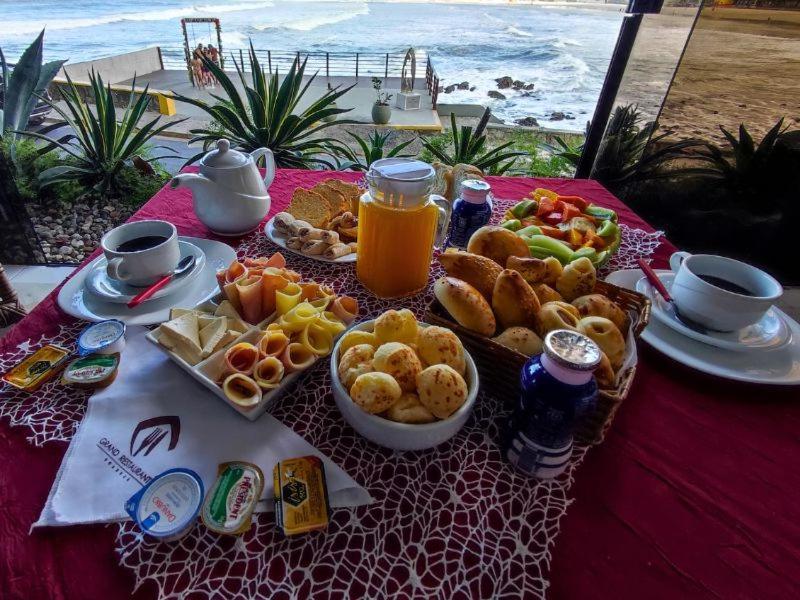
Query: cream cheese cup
(229, 507)
(167, 507)
(105, 337)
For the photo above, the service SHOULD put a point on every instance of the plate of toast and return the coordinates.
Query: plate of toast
(320, 223)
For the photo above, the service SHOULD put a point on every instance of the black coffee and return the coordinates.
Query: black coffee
(141, 243)
(726, 285)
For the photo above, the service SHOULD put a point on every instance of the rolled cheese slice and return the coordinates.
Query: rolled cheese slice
(317, 339)
(241, 390)
(332, 323)
(297, 357)
(287, 298)
(241, 358)
(268, 373)
(249, 291)
(272, 343)
(345, 308)
(272, 280)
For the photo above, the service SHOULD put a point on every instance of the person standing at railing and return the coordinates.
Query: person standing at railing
(213, 55)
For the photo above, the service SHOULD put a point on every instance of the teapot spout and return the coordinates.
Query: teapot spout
(194, 181)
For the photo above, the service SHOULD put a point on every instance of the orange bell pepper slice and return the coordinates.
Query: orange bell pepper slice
(575, 237)
(576, 201)
(594, 241)
(569, 211)
(553, 232)
(546, 206)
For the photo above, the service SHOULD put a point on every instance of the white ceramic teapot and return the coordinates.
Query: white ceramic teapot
(230, 196)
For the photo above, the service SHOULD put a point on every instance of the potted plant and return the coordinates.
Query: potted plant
(381, 110)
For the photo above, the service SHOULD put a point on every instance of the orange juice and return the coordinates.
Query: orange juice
(395, 245)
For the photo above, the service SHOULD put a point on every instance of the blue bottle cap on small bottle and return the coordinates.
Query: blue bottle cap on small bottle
(105, 337)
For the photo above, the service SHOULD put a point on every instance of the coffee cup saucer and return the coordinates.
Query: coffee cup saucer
(769, 333)
(112, 290)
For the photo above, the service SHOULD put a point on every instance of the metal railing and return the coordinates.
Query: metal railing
(328, 64)
(431, 82)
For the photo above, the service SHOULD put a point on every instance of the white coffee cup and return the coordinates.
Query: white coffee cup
(715, 307)
(145, 266)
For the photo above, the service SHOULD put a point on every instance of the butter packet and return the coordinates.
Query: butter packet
(38, 368)
(301, 495)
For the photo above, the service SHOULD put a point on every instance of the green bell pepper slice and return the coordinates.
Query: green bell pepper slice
(608, 229)
(598, 212)
(539, 243)
(528, 231)
(524, 208)
(589, 253)
(511, 224)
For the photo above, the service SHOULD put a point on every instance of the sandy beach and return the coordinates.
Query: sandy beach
(741, 65)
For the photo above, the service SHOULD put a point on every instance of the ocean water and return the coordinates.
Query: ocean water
(564, 51)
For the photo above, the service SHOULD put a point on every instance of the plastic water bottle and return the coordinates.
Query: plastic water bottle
(558, 388)
(471, 211)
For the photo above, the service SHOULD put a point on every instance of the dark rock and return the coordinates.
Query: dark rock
(450, 88)
(496, 95)
(504, 83)
(557, 116)
(528, 94)
(527, 122)
(517, 84)
(472, 89)
(464, 85)
(528, 86)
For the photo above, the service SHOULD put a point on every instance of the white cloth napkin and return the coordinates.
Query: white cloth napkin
(107, 462)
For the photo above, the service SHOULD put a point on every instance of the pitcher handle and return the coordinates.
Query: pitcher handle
(443, 224)
(269, 163)
(676, 260)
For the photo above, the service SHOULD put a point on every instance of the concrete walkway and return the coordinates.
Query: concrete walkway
(359, 99)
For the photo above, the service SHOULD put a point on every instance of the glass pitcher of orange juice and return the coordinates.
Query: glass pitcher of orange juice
(399, 223)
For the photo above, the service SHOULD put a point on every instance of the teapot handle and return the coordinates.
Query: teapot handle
(269, 160)
(443, 226)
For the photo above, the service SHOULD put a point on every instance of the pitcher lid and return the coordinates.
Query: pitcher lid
(225, 157)
(402, 169)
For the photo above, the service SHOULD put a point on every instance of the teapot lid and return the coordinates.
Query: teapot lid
(224, 157)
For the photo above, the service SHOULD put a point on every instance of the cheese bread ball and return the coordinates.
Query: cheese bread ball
(355, 337)
(442, 390)
(437, 345)
(408, 409)
(399, 361)
(356, 361)
(396, 326)
(375, 392)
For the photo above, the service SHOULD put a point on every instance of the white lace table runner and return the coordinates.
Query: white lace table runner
(452, 519)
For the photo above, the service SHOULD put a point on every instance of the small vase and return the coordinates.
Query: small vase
(381, 113)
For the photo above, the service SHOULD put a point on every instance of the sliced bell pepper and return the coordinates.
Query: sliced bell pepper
(608, 229)
(553, 218)
(524, 208)
(576, 201)
(569, 212)
(594, 241)
(605, 214)
(511, 224)
(540, 193)
(546, 206)
(575, 237)
(586, 252)
(529, 231)
(553, 232)
(539, 244)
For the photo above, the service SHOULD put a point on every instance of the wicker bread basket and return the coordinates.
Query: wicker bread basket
(499, 366)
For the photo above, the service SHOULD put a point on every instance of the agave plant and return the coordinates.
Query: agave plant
(99, 145)
(373, 148)
(469, 147)
(570, 152)
(269, 116)
(21, 88)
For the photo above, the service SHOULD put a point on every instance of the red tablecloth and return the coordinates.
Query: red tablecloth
(692, 494)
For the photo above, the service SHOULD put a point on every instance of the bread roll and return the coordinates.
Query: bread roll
(513, 300)
(399, 361)
(557, 315)
(441, 390)
(408, 409)
(606, 335)
(477, 270)
(396, 326)
(546, 294)
(497, 243)
(521, 339)
(597, 305)
(355, 337)
(356, 361)
(465, 304)
(533, 270)
(375, 392)
(604, 374)
(437, 345)
(577, 279)
(553, 272)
